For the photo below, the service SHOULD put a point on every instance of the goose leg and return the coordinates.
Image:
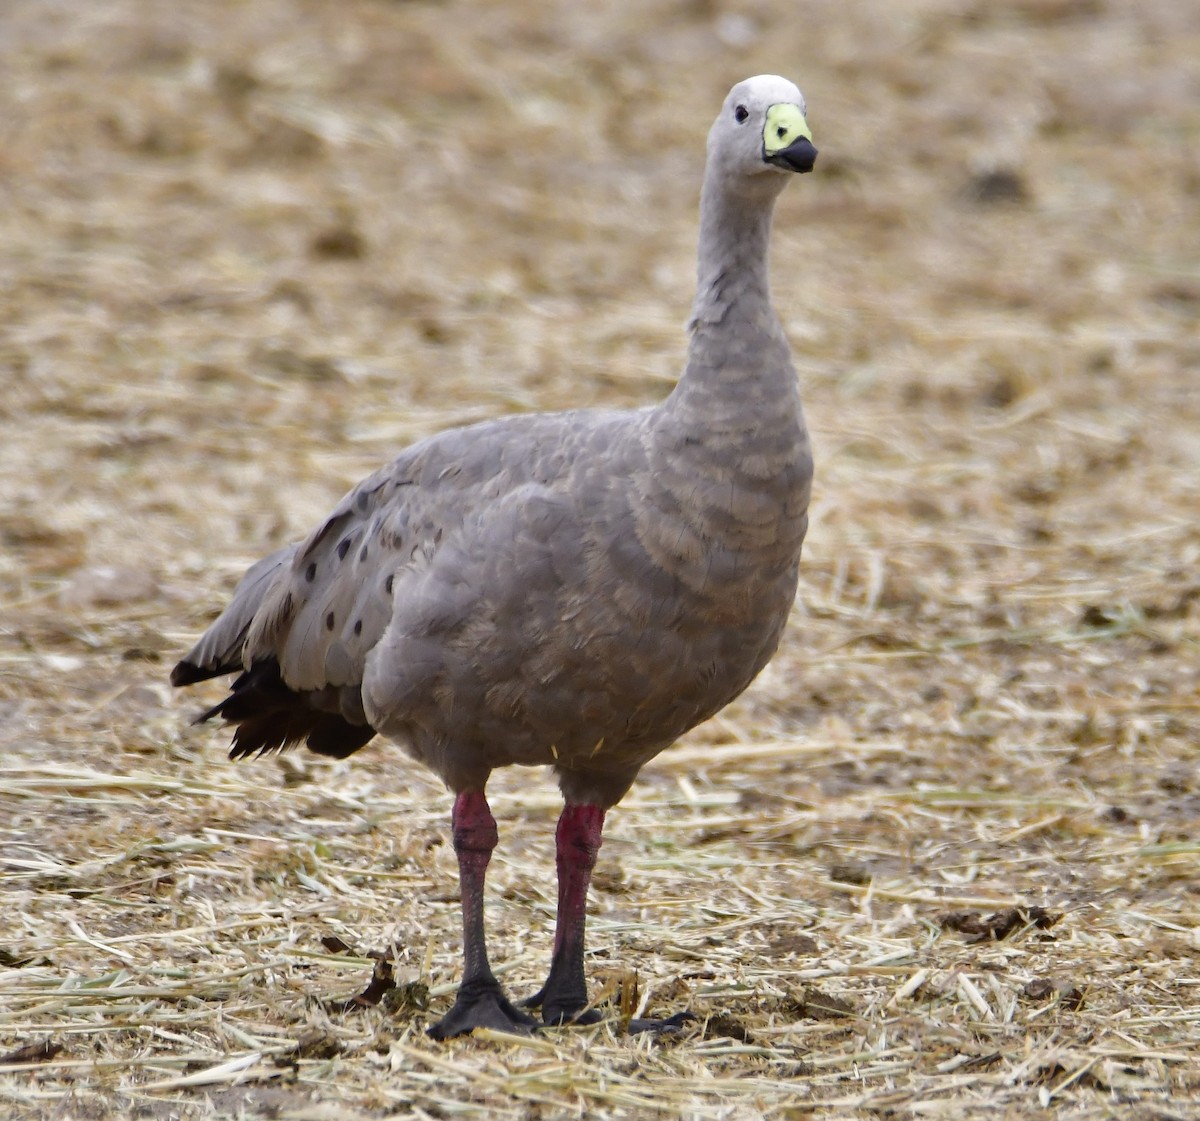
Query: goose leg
(481, 1002)
(576, 841)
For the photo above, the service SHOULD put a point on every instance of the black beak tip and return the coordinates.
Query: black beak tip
(799, 156)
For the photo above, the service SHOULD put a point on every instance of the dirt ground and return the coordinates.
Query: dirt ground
(940, 861)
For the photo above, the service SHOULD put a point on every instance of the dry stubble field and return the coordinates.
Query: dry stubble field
(250, 249)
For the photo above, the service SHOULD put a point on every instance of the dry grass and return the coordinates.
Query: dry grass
(249, 249)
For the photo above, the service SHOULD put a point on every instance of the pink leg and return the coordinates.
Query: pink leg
(577, 842)
(475, 837)
(481, 1001)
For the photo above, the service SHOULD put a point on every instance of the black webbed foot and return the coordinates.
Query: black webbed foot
(568, 1012)
(577, 1018)
(670, 1024)
(482, 1005)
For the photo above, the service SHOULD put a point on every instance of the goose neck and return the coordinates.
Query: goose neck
(735, 231)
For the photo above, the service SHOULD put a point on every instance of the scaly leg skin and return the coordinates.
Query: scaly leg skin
(481, 1002)
(564, 994)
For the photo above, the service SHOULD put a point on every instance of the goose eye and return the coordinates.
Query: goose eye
(740, 114)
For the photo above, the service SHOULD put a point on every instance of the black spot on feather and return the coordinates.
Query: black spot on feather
(343, 548)
(310, 573)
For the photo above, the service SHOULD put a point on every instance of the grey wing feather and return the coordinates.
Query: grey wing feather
(219, 650)
(304, 622)
(333, 601)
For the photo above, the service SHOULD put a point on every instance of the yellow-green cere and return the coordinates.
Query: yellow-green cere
(785, 125)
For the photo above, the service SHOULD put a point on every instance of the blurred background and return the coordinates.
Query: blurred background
(248, 250)
(252, 249)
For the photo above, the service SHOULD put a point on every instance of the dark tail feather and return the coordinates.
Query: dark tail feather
(270, 716)
(188, 673)
(219, 649)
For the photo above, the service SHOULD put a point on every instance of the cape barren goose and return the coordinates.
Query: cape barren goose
(574, 590)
